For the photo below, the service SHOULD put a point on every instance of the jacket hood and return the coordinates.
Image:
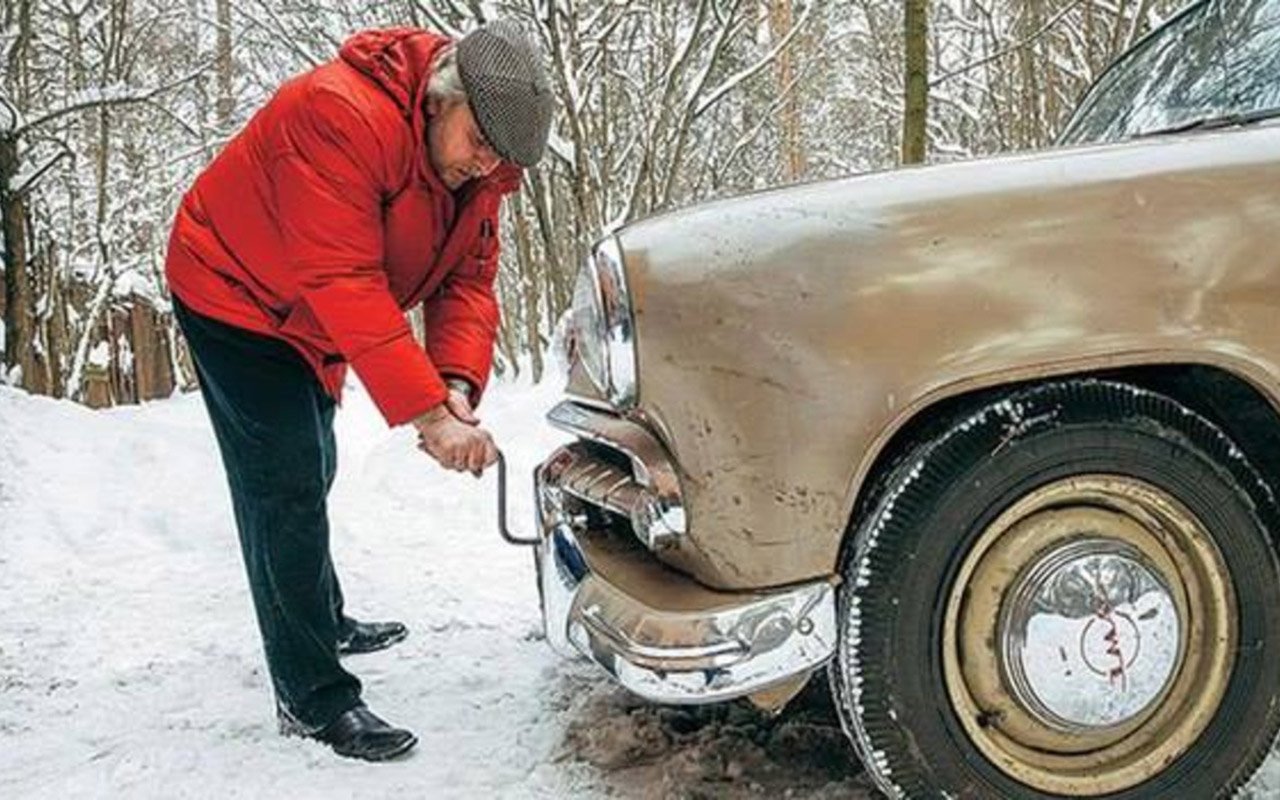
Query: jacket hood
(397, 59)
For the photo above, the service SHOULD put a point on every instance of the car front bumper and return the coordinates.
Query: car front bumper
(660, 633)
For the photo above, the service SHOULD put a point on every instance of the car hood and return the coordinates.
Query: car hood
(783, 335)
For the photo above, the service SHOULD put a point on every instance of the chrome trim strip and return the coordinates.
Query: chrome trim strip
(654, 470)
(589, 401)
(734, 644)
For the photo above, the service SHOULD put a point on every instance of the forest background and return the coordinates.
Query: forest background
(110, 108)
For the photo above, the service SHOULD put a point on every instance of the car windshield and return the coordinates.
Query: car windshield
(1219, 61)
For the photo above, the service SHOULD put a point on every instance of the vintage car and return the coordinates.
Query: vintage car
(994, 444)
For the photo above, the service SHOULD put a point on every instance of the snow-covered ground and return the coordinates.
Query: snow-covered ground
(130, 665)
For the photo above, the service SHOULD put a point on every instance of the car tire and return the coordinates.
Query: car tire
(1070, 592)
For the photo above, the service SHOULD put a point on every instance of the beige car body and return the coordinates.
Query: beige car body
(785, 337)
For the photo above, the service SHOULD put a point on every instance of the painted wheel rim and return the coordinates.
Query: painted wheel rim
(1089, 635)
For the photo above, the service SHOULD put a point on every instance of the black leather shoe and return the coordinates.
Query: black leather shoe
(367, 637)
(358, 733)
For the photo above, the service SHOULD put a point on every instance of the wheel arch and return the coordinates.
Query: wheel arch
(1244, 404)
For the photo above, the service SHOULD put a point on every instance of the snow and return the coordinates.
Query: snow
(132, 282)
(130, 664)
(100, 355)
(563, 149)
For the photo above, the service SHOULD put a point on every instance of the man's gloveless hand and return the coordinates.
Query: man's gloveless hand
(455, 444)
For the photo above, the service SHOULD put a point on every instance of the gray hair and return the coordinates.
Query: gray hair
(445, 83)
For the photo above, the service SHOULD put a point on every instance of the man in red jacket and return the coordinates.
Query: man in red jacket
(364, 188)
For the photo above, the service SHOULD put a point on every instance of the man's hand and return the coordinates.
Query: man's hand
(456, 445)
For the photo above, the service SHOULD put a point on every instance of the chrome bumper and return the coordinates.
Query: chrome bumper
(663, 635)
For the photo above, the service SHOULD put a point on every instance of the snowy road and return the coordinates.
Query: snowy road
(130, 665)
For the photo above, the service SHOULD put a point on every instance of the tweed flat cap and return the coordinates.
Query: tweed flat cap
(510, 94)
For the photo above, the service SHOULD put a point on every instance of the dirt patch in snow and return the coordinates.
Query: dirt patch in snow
(725, 751)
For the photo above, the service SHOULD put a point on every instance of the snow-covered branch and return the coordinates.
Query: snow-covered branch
(98, 97)
(1012, 48)
(25, 182)
(733, 81)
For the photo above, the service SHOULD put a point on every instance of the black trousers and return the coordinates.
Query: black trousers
(274, 425)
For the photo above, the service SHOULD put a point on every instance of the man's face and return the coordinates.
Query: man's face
(457, 148)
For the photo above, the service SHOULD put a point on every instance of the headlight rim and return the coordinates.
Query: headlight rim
(619, 323)
(589, 332)
(609, 359)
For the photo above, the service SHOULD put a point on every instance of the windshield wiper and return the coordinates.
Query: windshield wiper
(1233, 120)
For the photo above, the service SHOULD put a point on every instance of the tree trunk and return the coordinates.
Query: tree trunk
(915, 117)
(1033, 127)
(529, 287)
(19, 317)
(562, 277)
(56, 324)
(225, 67)
(793, 155)
(38, 377)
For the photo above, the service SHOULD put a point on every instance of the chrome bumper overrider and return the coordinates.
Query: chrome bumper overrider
(663, 635)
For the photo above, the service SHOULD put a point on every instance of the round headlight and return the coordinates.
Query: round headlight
(589, 334)
(603, 330)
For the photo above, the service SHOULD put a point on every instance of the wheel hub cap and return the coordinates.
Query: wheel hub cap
(1090, 636)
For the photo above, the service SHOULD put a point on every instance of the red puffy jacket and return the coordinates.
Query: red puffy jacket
(323, 220)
